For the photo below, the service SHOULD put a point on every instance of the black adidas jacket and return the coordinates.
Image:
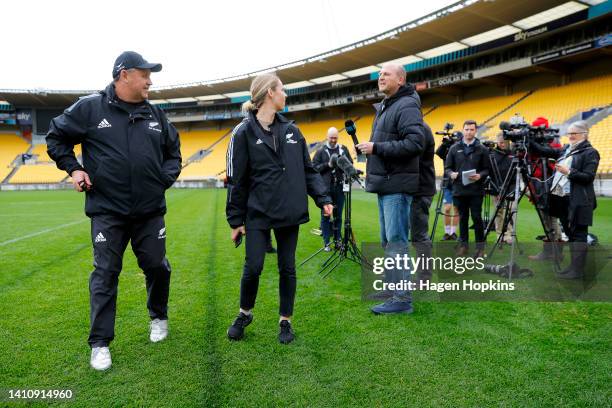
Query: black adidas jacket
(399, 140)
(270, 178)
(131, 159)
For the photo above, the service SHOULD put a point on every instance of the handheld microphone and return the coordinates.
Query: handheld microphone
(351, 129)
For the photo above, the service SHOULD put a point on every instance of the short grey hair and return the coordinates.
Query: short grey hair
(581, 126)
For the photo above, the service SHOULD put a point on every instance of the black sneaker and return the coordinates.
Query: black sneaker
(285, 336)
(446, 236)
(236, 330)
(453, 237)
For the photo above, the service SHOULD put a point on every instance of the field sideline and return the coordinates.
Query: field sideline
(529, 354)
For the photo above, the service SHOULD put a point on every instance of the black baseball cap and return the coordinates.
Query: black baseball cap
(131, 59)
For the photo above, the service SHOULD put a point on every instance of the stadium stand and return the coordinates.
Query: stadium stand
(11, 145)
(601, 137)
(212, 163)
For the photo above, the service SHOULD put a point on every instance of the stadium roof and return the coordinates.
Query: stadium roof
(457, 26)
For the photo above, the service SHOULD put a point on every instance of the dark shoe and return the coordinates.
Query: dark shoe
(480, 253)
(461, 251)
(453, 237)
(446, 237)
(270, 250)
(569, 274)
(381, 295)
(285, 336)
(236, 330)
(393, 306)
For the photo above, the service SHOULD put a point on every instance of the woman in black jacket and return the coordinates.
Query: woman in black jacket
(270, 176)
(572, 196)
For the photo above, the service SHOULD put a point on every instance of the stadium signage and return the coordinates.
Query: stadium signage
(336, 84)
(523, 35)
(451, 79)
(24, 117)
(574, 49)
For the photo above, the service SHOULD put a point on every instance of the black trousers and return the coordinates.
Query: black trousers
(286, 241)
(466, 205)
(419, 230)
(110, 235)
(337, 196)
(576, 233)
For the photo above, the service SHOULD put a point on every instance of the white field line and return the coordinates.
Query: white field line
(35, 234)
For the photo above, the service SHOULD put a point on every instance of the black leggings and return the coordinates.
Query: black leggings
(256, 244)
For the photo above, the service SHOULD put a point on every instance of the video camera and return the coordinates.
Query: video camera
(449, 137)
(519, 131)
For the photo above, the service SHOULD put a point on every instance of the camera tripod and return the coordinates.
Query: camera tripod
(346, 247)
(510, 195)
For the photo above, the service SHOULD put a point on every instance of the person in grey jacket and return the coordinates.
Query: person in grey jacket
(394, 150)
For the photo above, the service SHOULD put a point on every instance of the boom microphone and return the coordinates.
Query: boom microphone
(343, 163)
(351, 129)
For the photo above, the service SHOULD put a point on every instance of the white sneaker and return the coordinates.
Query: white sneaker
(159, 330)
(100, 358)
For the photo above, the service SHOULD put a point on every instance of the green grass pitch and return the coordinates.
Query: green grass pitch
(473, 354)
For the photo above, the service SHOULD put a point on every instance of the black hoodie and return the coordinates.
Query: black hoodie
(130, 157)
(398, 135)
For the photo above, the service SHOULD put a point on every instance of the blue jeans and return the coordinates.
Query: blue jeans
(394, 218)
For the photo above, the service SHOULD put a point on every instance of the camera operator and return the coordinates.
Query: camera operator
(449, 203)
(541, 171)
(503, 160)
(469, 154)
(572, 197)
(333, 178)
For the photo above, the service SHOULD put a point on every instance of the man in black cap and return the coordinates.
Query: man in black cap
(131, 155)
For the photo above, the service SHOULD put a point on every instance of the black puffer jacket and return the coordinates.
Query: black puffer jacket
(461, 158)
(398, 135)
(131, 157)
(585, 160)
(427, 172)
(270, 176)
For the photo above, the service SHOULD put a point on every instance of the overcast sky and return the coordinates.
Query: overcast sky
(65, 44)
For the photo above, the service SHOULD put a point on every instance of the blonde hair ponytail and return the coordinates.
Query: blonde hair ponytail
(259, 89)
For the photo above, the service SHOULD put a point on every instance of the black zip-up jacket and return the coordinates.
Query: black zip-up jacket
(427, 172)
(585, 160)
(503, 161)
(131, 158)
(320, 162)
(399, 139)
(461, 158)
(270, 176)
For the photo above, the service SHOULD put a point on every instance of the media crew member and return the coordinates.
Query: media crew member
(451, 213)
(394, 149)
(131, 155)
(502, 158)
(542, 170)
(333, 178)
(421, 201)
(270, 176)
(572, 196)
(468, 154)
